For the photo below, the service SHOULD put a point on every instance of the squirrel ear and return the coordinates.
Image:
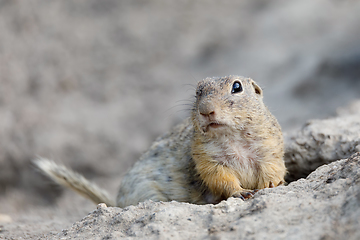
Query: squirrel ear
(257, 89)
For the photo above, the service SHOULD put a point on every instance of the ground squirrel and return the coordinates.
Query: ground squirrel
(229, 147)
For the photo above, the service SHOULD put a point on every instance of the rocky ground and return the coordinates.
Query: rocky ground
(92, 83)
(325, 205)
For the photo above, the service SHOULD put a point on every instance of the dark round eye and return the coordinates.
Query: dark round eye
(236, 87)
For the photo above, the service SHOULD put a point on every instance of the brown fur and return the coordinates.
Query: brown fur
(230, 146)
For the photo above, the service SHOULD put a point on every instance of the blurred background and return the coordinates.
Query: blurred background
(92, 83)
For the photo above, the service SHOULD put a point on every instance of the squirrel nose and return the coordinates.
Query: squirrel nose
(207, 109)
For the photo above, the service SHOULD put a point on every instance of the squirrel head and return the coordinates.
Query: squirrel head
(226, 105)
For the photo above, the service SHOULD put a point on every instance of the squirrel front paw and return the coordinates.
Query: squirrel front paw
(244, 194)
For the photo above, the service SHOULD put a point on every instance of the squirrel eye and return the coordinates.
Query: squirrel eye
(236, 87)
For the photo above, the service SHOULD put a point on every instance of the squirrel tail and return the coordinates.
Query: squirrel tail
(66, 177)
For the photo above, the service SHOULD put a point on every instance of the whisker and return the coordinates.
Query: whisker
(187, 105)
(184, 110)
(185, 100)
(193, 77)
(189, 85)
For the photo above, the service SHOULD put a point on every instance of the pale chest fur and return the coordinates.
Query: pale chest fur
(242, 156)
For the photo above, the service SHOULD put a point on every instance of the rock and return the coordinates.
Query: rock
(101, 205)
(353, 108)
(320, 142)
(4, 218)
(325, 205)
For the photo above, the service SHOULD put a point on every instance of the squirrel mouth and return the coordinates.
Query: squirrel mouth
(213, 125)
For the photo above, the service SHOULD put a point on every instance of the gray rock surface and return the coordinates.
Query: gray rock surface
(320, 142)
(325, 205)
